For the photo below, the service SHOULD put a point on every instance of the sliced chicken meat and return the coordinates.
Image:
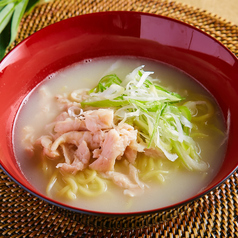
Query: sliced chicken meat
(81, 160)
(100, 119)
(92, 120)
(89, 139)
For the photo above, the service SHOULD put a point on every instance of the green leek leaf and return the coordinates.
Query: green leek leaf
(4, 39)
(5, 2)
(104, 103)
(156, 124)
(105, 83)
(17, 16)
(5, 15)
(185, 112)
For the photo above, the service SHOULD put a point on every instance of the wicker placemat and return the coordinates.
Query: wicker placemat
(214, 215)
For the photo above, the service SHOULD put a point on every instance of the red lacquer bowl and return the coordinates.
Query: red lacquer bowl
(110, 34)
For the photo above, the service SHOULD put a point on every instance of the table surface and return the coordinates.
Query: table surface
(214, 215)
(226, 9)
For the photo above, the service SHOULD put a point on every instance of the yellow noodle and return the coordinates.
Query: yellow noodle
(199, 135)
(142, 163)
(161, 178)
(154, 174)
(150, 165)
(138, 163)
(100, 184)
(155, 168)
(158, 163)
(86, 176)
(205, 117)
(85, 182)
(101, 187)
(71, 195)
(72, 183)
(63, 190)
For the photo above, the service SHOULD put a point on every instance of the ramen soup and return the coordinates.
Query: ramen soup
(119, 135)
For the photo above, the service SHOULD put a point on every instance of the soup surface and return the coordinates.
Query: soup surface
(173, 183)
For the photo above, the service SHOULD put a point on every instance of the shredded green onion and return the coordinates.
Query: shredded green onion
(139, 100)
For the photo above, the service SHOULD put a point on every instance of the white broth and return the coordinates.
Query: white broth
(40, 108)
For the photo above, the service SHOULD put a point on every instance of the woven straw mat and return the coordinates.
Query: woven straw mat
(214, 215)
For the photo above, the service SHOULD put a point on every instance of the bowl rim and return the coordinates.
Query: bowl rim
(101, 213)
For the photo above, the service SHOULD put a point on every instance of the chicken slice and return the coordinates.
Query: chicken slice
(68, 153)
(93, 120)
(83, 153)
(121, 180)
(46, 142)
(62, 116)
(130, 154)
(100, 119)
(130, 183)
(65, 102)
(70, 124)
(81, 160)
(129, 135)
(112, 147)
(154, 153)
(93, 140)
(127, 132)
(133, 172)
